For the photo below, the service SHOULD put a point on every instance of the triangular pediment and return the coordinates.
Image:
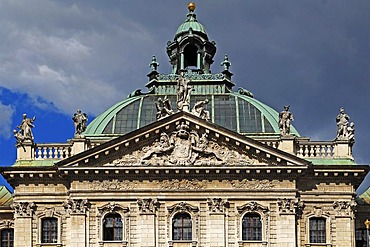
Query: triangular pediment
(182, 140)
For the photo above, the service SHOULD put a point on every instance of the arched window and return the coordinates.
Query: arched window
(251, 227)
(112, 227)
(49, 230)
(7, 237)
(190, 53)
(317, 230)
(181, 227)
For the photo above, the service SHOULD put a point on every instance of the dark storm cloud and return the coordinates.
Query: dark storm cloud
(312, 55)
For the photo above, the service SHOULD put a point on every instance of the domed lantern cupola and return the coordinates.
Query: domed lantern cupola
(191, 49)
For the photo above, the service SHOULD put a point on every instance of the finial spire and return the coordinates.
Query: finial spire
(191, 6)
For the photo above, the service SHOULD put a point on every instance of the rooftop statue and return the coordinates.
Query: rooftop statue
(164, 108)
(285, 117)
(342, 123)
(80, 121)
(351, 133)
(183, 93)
(200, 111)
(25, 130)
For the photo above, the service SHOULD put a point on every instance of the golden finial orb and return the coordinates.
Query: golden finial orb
(191, 6)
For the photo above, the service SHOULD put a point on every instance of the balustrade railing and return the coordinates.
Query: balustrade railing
(53, 151)
(304, 148)
(315, 149)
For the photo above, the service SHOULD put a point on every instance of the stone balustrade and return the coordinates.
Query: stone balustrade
(316, 149)
(52, 151)
(302, 147)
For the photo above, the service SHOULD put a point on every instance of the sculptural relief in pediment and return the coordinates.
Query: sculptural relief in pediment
(185, 147)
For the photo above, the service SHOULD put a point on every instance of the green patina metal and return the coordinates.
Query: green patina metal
(35, 163)
(190, 25)
(331, 161)
(5, 196)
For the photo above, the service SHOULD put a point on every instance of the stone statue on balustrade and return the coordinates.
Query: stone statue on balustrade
(351, 134)
(164, 108)
(183, 93)
(24, 132)
(342, 123)
(285, 118)
(200, 111)
(79, 121)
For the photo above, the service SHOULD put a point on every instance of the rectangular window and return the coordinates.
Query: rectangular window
(7, 238)
(317, 230)
(252, 227)
(49, 230)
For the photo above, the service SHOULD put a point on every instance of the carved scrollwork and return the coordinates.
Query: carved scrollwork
(253, 184)
(23, 209)
(148, 206)
(252, 207)
(287, 205)
(185, 147)
(183, 184)
(114, 184)
(76, 206)
(217, 205)
(6, 224)
(345, 208)
(182, 207)
(111, 207)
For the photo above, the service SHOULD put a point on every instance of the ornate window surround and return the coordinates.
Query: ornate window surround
(193, 211)
(264, 212)
(49, 213)
(113, 208)
(328, 233)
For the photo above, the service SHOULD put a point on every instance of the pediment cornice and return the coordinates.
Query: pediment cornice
(183, 140)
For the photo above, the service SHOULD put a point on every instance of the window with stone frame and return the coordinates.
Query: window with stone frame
(317, 226)
(112, 227)
(7, 237)
(251, 227)
(182, 227)
(49, 230)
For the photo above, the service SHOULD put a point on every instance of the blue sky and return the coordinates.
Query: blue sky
(60, 56)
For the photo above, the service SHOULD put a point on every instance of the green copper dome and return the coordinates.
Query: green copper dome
(234, 111)
(191, 25)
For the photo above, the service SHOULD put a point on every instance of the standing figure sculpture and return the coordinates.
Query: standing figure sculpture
(342, 123)
(351, 133)
(200, 111)
(285, 117)
(80, 121)
(183, 93)
(25, 129)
